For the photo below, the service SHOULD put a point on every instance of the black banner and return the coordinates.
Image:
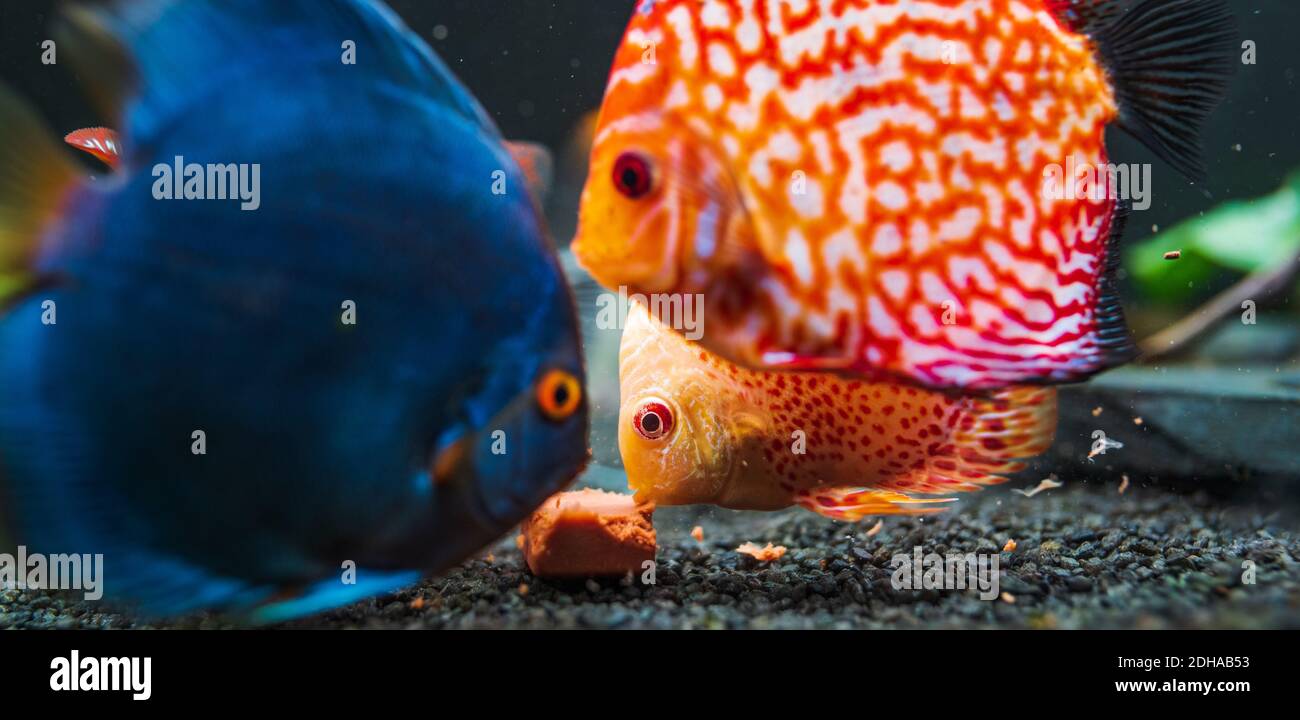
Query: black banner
(248, 668)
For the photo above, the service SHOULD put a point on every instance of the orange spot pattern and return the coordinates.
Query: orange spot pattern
(885, 436)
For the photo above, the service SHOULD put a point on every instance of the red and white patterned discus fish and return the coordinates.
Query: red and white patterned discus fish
(694, 428)
(878, 187)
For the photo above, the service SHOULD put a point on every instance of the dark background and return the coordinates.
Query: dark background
(537, 65)
(540, 65)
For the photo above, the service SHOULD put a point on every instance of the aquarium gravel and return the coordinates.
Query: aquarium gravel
(1085, 557)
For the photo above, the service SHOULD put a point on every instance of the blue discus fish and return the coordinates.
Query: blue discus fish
(308, 343)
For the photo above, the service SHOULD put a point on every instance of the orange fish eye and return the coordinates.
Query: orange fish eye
(558, 394)
(653, 420)
(632, 175)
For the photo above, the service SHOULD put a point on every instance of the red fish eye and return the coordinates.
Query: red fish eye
(632, 175)
(653, 421)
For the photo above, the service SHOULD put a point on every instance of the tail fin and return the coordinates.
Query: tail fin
(1169, 62)
(34, 177)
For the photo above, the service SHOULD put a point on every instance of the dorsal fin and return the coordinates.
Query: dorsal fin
(150, 57)
(1169, 62)
(1084, 16)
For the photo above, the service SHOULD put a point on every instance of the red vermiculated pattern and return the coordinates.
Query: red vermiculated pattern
(861, 185)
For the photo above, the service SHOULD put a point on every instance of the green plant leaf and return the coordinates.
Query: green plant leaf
(1244, 236)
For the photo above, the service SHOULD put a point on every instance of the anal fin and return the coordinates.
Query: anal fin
(855, 503)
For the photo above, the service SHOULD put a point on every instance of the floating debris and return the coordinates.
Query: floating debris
(764, 554)
(1048, 483)
(1102, 445)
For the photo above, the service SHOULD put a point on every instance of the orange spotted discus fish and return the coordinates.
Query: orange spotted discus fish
(694, 428)
(877, 188)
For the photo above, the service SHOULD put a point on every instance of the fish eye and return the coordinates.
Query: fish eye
(632, 175)
(558, 394)
(653, 420)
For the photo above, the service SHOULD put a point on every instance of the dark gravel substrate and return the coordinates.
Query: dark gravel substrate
(1086, 557)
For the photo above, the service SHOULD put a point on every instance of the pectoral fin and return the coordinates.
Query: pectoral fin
(538, 166)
